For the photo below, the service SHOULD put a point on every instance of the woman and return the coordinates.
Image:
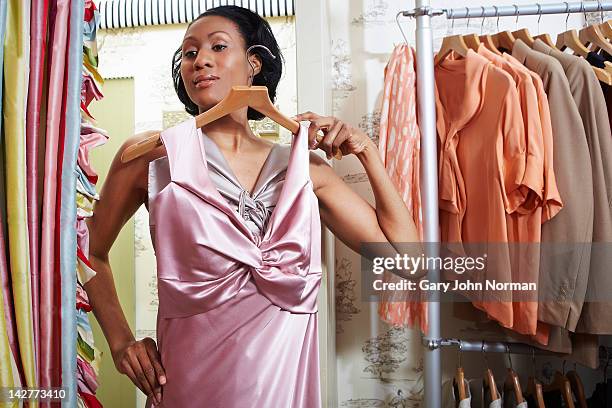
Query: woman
(203, 352)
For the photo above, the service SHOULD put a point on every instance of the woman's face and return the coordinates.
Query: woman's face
(214, 60)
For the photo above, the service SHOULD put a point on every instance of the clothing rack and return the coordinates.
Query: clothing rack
(423, 12)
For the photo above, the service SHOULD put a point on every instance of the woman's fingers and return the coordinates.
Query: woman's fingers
(155, 358)
(149, 373)
(328, 139)
(140, 374)
(126, 365)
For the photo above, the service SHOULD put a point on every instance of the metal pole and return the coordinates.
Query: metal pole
(525, 10)
(429, 193)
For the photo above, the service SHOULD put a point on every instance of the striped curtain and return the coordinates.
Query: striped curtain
(136, 13)
(42, 59)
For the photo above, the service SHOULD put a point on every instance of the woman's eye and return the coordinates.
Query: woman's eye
(189, 54)
(219, 47)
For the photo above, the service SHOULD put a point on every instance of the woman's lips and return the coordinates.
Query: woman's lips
(205, 83)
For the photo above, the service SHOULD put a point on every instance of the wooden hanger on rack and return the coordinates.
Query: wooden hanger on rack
(606, 29)
(577, 387)
(452, 43)
(593, 36)
(546, 38)
(512, 384)
(543, 36)
(471, 40)
(534, 387)
(486, 38)
(503, 40)
(569, 38)
(561, 384)
(459, 379)
(488, 378)
(255, 97)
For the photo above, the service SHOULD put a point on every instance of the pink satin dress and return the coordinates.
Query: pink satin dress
(238, 276)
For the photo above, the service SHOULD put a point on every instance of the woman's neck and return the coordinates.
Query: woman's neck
(231, 133)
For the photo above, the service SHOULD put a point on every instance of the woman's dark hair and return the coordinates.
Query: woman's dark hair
(254, 30)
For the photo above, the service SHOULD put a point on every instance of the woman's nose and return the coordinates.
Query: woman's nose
(203, 59)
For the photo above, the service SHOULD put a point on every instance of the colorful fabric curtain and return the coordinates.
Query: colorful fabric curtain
(45, 337)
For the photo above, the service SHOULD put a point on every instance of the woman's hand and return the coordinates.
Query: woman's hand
(338, 136)
(140, 361)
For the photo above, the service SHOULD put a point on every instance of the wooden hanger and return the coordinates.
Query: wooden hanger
(570, 39)
(534, 387)
(577, 388)
(524, 35)
(504, 40)
(487, 40)
(561, 384)
(543, 36)
(449, 44)
(488, 378)
(546, 39)
(512, 383)
(472, 41)
(459, 379)
(606, 29)
(255, 97)
(592, 35)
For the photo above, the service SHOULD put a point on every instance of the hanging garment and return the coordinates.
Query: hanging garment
(474, 99)
(451, 400)
(552, 202)
(239, 293)
(574, 224)
(399, 147)
(38, 45)
(16, 68)
(67, 213)
(10, 374)
(592, 107)
(607, 89)
(525, 224)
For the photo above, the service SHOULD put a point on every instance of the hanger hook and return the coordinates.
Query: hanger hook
(467, 13)
(516, 11)
(568, 13)
(484, 354)
(483, 20)
(509, 356)
(249, 61)
(539, 16)
(400, 26)
(600, 8)
(497, 15)
(460, 350)
(563, 367)
(583, 9)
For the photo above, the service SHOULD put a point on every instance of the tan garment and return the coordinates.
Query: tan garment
(591, 104)
(574, 223)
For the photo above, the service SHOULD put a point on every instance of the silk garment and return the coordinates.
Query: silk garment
(16, 71)
(237, 318)
(68, 219)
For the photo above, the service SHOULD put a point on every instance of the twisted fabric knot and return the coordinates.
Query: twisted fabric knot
(253, 210)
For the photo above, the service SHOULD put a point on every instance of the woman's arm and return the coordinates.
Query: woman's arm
(122, 194)
(351, 218)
